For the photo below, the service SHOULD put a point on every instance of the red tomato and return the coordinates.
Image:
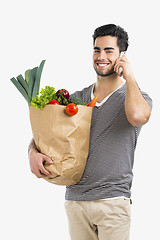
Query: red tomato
(71, 109)
(54, 102)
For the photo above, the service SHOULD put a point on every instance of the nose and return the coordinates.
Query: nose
(102, 55)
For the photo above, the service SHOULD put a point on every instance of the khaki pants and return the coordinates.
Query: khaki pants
(99, 220)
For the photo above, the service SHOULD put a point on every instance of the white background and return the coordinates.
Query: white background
(61, 32)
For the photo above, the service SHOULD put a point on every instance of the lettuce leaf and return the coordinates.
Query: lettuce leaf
(45, 97)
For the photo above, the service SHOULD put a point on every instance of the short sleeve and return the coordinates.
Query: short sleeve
(148, 99)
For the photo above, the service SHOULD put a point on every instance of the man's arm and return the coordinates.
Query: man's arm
(136, 107)
(37, 160)
(32, 146)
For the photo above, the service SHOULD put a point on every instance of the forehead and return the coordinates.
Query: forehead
(106, 41)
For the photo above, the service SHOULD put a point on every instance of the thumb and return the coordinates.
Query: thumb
(47, 159)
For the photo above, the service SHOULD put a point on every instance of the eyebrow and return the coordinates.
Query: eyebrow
(107, 48)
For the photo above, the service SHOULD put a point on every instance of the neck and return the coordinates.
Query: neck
(109, 83)
(106, 85)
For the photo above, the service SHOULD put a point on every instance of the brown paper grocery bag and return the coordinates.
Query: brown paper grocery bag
(63, 138)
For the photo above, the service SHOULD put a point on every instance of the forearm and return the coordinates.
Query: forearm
(136, 107)
(32, 147)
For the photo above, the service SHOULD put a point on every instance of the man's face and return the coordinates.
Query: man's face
(105, 53)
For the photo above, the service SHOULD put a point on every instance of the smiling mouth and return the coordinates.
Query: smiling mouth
(102, 65)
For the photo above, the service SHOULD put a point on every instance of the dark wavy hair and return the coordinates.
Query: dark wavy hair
(115, 31)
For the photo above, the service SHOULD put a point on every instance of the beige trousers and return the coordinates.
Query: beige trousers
(99, 220)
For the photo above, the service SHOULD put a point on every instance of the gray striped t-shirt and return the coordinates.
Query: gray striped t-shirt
(108, 172)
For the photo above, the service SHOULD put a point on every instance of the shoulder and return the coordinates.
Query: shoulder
(83, 94)
(144, 94)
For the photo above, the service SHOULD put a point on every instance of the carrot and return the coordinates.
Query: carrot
(93, 102)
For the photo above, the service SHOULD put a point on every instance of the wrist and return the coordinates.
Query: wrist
(32, 148)
(31, 151)
(130, 78)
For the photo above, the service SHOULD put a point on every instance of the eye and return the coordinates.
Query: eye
(109, 52)
(96, 51)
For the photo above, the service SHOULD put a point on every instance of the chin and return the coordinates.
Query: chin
(105, 74)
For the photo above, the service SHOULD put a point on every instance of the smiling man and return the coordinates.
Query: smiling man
(98, 206)
(104, 66)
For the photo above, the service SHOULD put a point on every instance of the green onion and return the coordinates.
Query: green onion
(22, 82)
(21, 89)
(37, 81)
(31, 81)
(29, 87)
(27, 75)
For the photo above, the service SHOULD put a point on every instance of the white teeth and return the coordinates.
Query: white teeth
(102, 64)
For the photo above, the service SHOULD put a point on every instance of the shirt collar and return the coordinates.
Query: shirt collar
(105, 99)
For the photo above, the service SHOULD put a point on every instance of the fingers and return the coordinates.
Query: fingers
(119, 63)
(47, 159)
(117, 66)
(122, 59)
(37, 161)
(41, 172)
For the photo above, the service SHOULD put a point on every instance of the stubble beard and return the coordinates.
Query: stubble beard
(104, 74)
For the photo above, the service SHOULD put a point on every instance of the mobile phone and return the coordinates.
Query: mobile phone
(120, 73)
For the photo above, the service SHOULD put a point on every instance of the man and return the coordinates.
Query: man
(98, 207)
